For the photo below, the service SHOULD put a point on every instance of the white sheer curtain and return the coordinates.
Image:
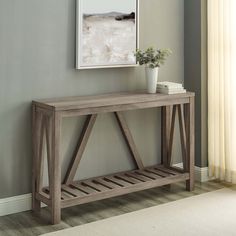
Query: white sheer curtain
(222, 89)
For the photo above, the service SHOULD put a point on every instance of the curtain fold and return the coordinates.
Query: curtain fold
(222, 89)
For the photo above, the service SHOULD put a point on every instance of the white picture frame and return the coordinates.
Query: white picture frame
(89, 26)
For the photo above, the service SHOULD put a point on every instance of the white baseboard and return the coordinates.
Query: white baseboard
(201, 173)
(22, 203)
(15, 204)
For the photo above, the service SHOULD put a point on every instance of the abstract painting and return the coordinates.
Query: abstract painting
(107, 33)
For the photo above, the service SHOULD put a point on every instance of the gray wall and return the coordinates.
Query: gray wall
(196, 70)
(37, 57)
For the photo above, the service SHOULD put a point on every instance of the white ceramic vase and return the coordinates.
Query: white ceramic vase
(151, 79)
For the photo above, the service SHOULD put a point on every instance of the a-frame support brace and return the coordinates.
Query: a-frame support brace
(168, 128)
(83, 140)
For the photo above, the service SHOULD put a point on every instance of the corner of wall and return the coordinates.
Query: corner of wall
(204, 88)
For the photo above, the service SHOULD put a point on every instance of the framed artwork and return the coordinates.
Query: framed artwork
(107, 33)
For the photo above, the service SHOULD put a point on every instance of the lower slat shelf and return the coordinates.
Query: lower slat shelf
(99, 188)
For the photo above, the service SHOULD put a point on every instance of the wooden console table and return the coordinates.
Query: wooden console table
(46, 122)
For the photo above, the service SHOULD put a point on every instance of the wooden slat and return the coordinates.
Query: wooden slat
(95, 186)
(123, 173)
(139, 177)
(151, 174)
(129, 139)
(87, 129)
(127, 179)
(166, 170)
(106, 183)
(43, 197)
(182, 135)
(146, 174)
(72, 191)
(83, 188)
(118, 181)
(157, 172)
(66, 196)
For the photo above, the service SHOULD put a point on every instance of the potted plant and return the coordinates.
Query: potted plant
(152, 59)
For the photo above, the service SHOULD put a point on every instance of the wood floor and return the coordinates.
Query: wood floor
(28, 224)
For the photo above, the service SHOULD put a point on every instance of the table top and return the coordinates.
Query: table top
(113, 99)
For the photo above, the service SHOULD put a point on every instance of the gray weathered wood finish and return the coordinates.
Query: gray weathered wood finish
(46, 125)
(87, 129)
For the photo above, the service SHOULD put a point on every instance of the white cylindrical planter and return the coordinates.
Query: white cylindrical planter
(151, 79)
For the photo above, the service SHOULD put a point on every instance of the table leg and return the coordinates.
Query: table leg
(190, 121)
(36, 136)
(165, 139)
(166, 118)
(55, 170)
